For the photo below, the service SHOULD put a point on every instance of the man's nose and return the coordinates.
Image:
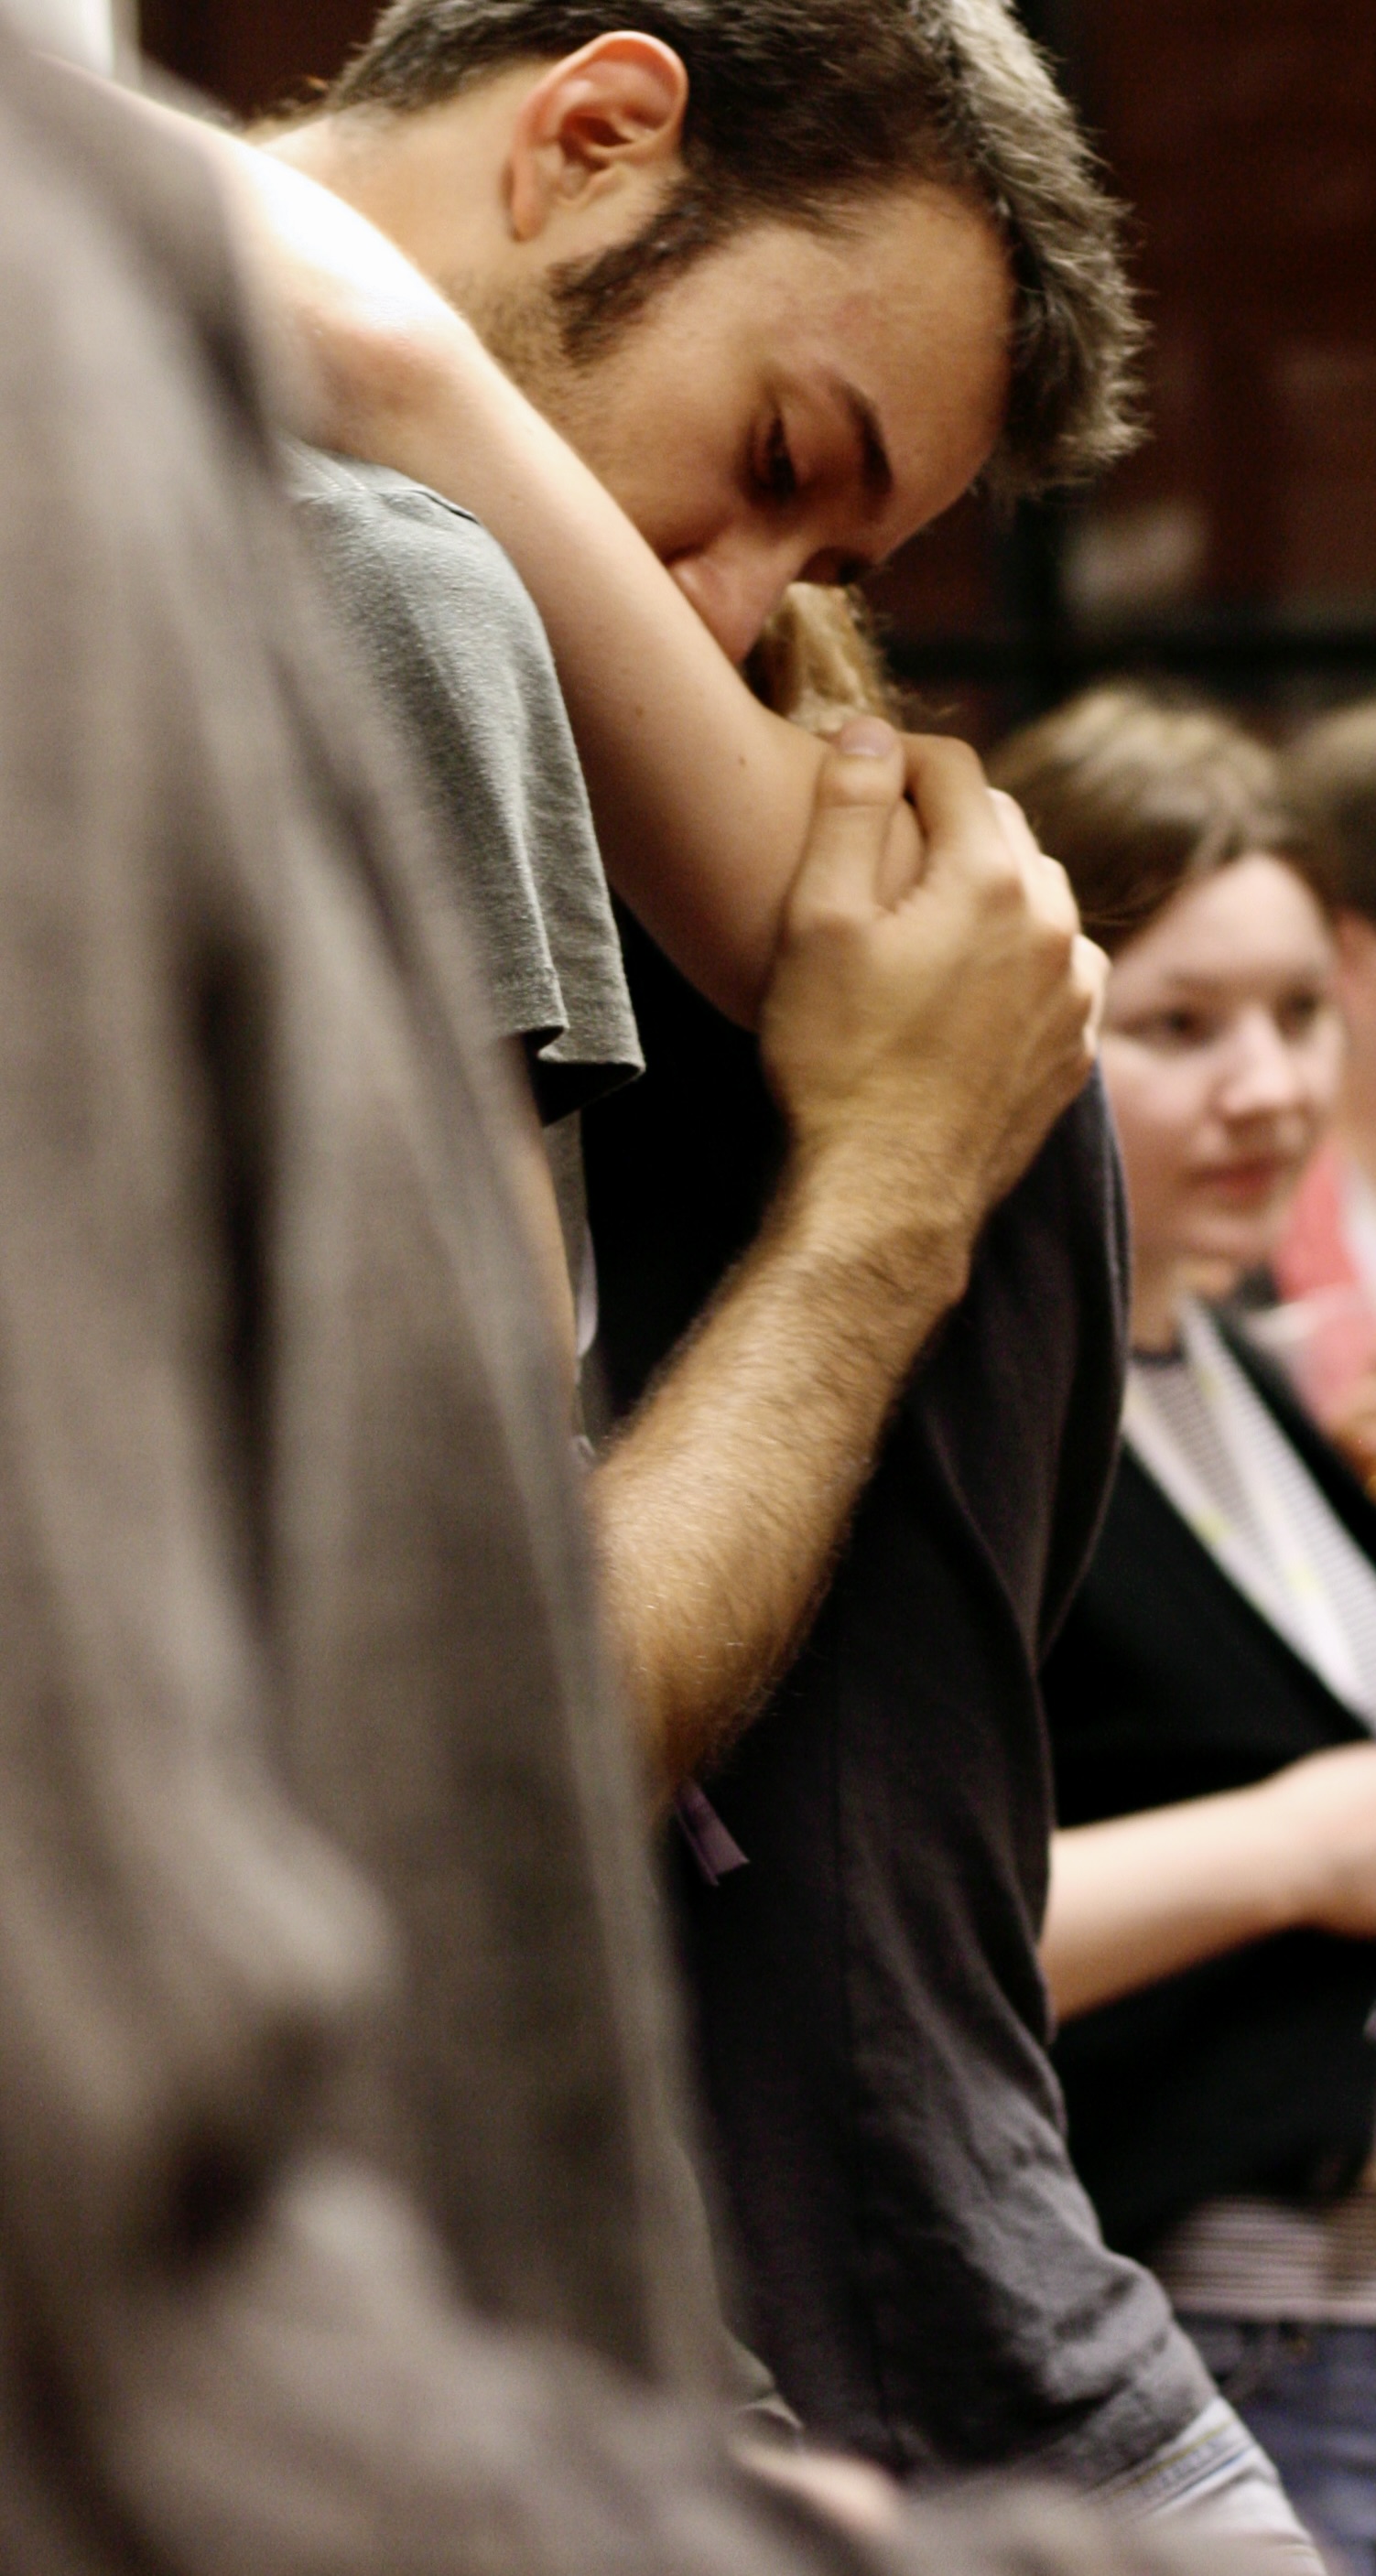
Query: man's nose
(734, 588)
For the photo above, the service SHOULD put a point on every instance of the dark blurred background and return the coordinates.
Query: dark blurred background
(1238, 550)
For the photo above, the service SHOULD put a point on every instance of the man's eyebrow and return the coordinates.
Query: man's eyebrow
(876, 471)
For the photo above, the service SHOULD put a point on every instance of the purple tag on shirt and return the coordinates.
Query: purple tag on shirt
(716, 1851)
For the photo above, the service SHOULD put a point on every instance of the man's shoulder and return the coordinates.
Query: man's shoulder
(1061, 1233)
(1055, 1256)
(1077, 1171)
(1016, 1412)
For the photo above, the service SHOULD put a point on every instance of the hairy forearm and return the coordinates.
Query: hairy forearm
(920, 1050)
(1141, 1897)
(702, 796)
(720, 1508)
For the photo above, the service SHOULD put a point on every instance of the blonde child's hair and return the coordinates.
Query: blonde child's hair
(818, 660)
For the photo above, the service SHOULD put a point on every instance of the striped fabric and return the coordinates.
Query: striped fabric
(1252, 2257)
(1230, 1472)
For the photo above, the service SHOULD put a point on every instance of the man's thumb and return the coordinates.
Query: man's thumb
(859, 787)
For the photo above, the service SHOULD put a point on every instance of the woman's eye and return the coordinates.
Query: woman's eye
(1299, 1013)
(1178, 1028)
(779, 475)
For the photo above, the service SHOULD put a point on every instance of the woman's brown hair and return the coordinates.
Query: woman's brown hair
(1139, 794)
(1329, 774)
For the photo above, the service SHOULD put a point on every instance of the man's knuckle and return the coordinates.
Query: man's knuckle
(827, 922)
(1002, 883)
(854, 787)
(950, 753)
(1053, 946)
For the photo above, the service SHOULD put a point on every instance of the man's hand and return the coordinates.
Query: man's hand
(934, 1006)
(932, 1010)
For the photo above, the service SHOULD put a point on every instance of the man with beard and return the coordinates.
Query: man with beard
(786, 282)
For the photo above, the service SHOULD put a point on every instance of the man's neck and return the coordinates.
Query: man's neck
(431, 180)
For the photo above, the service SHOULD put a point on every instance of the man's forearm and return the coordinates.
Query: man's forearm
(720, 1508)
(920, 1050)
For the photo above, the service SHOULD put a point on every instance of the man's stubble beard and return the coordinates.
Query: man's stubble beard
(521, 329)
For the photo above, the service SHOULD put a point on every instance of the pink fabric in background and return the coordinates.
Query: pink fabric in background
(1325, 1330)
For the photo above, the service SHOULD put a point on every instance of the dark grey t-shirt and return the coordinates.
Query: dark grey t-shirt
(453, 640)
(921, 2268)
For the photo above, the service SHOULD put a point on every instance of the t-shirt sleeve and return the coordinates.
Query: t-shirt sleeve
(1084, 1172)
(453, 641)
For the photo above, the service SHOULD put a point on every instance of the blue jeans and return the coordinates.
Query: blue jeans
(1308, 2393)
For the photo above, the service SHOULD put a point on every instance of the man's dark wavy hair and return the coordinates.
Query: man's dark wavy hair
(800, 109)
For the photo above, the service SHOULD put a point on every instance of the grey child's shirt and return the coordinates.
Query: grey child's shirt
(453, 641)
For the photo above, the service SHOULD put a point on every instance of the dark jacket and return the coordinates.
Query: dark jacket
(1253, 2071)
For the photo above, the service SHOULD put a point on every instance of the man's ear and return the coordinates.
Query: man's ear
(609, 114)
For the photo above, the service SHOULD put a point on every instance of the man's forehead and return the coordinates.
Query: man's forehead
(907, 259)
(905, 329)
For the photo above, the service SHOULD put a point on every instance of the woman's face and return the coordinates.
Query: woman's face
(1223, 1052)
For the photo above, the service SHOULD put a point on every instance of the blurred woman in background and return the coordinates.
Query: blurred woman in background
(1210, 1941)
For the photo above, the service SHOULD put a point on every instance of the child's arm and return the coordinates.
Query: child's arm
(702, 797)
